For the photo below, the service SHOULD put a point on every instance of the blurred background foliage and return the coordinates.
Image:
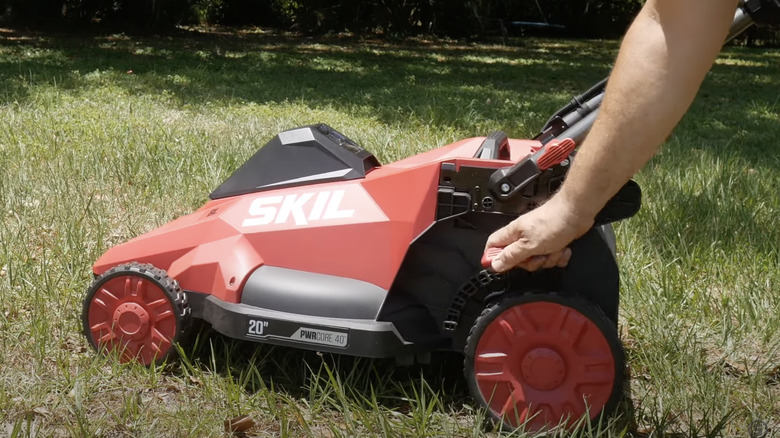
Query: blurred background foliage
(448, 18)
(595, 18)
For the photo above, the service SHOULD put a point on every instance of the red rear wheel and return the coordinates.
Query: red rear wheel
(135, 311)
(543, 360)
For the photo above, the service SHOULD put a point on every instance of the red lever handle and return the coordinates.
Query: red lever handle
(555, 152)
(489, 255)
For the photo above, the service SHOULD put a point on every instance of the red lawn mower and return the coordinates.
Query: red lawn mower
(313, 244)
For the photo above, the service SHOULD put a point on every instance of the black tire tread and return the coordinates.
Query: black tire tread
(168, 284)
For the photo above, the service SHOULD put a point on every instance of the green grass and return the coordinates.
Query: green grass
(105, 137)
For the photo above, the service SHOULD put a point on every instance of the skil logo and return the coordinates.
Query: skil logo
(302, 208)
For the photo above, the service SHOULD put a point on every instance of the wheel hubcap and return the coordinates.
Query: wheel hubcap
(543, 369)
(132, 320)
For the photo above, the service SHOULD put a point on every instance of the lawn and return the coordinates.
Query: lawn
(106, 136)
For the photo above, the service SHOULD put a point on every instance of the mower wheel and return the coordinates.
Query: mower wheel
(136, 311)
(541, 360)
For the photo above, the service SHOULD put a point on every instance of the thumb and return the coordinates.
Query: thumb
(511, 256)
(503, 236)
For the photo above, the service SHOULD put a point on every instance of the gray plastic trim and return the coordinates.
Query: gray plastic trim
(608, 234)
(308, 293)
(300, 135)
(327, 176)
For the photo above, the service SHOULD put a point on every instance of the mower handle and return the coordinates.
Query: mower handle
(575, 119)
(567, 128)
(571, 124)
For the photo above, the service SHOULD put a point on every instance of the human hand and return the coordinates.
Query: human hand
(539, 238)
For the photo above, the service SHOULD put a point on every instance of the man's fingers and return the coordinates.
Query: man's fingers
(504, 236)
(558, 259)
(565, 257)
(510, 257)
(551, 260)
(533, 263)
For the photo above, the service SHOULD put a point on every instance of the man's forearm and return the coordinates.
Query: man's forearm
(663, 59)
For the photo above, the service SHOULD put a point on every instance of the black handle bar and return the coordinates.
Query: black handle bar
(575, 119)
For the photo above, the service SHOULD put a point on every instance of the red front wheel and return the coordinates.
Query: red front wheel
(538, 361)
(136, 311)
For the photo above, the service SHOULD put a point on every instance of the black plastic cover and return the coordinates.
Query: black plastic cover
(764, 12)
(626, 203)
(356, 337)
(305, 155)
(494, 147)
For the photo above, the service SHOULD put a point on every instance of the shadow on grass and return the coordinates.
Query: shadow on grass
(439, 84)
(300, 373)
(362, 389)
(423, 80)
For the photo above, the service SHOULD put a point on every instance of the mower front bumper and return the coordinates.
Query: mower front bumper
(355, 337)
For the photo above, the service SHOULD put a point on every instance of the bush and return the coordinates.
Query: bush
(581, 18)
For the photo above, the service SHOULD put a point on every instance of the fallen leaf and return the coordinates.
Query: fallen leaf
(773, 376)
(173, 388)
(241, 423)
(42, 411)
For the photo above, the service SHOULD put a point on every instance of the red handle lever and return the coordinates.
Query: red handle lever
(489, 255)
(555, 152)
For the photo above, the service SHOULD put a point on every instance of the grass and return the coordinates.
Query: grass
(104, 137)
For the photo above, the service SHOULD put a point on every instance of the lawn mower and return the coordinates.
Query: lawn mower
(313, 244)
